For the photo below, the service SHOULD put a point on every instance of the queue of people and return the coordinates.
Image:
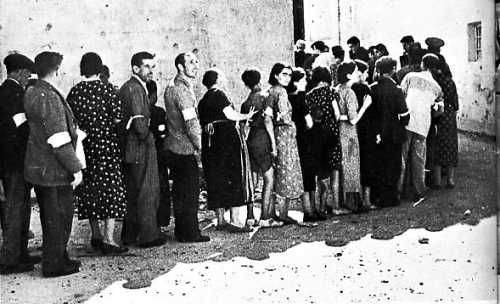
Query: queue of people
(338, 135)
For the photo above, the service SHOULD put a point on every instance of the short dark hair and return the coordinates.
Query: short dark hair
(297, 74)
(210, 78)
(407, 39)
(385, 64)
(319, 45)
(137, 58)
(362, 66)
(344, 69)
(47, 62)
(338, 52)
(91, 64)
(276, 69)
(180, 59)
(320, 74)
(251, 77)
(104, 70)
(353, 40)
(430, 61)
(382, 49)
(371, 49)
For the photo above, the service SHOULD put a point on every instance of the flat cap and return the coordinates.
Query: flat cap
(17, 61)
(434, 42)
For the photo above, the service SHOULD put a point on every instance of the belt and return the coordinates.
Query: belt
(210, 130)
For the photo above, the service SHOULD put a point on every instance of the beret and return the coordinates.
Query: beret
(434, 42)
(16, 61)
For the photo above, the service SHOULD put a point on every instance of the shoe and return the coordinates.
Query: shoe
(18, 268)
(155, 243)
(340, 211)
(418, 200)
(96, 243)
(287, 220)
(69, 269)
(112, 249)
(235, 229)
(31, 259)
(74, 263)
(322, 216)
(31, 235)
(310, 217)
(251, 223)
(199, 239)
(222, 227)
(270, 223)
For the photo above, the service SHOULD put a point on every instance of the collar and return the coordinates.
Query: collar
(143, 84)
(385, 78)
(93, 78)
(183, 79)
(14, 80)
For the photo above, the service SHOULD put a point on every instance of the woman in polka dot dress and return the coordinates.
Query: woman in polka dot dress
(101, 196)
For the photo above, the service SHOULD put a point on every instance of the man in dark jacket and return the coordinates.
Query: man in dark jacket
(392, 113)
(14, 130)
(52, 164)
(143, 189)
(356, 51)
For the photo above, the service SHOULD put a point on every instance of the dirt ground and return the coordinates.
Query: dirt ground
(475, 191)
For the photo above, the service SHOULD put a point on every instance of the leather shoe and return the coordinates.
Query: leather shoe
(155, 243)
(18, 268)
(96, 243)
(111, 249)
(69, 269)
(198, 239)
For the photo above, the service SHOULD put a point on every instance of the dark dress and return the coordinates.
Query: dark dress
(389, 103)
(102, 193)
(366, 136)
(445, 150)
(258, 141)
(304, 142)
(221, 152)
(325, 132)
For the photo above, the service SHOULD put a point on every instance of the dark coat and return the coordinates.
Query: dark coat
(138, 137)
(13, 138)
(389, 103)
(49, 114)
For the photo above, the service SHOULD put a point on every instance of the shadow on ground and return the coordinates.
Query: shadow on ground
(475, 191)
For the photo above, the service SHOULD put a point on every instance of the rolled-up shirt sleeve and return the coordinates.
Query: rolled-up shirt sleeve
(186, 102)
(54, 123)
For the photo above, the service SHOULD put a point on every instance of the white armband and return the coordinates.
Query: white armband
(161, 128)
(189, 113)
(268, 111)
(129, 122)
(404, 114)
(59, 139)
(19, 119)
(309, 121)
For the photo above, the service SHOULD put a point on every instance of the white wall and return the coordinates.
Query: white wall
(386, 21)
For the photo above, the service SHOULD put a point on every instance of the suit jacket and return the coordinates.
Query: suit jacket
(50, 155)
(389, 103)
(136, 114)
(14, 128)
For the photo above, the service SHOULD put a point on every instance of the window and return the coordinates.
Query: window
(474, 32)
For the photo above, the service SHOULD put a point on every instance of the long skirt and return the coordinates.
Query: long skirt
(223, 167)
(288, 176)
(350, 184)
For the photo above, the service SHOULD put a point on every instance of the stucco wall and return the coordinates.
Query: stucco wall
(387, 21)
(231, 35)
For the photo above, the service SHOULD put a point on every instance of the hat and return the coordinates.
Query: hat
(16, 61)
(434, 42)
(407, 39)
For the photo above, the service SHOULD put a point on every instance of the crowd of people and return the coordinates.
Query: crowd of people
(358, 130)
